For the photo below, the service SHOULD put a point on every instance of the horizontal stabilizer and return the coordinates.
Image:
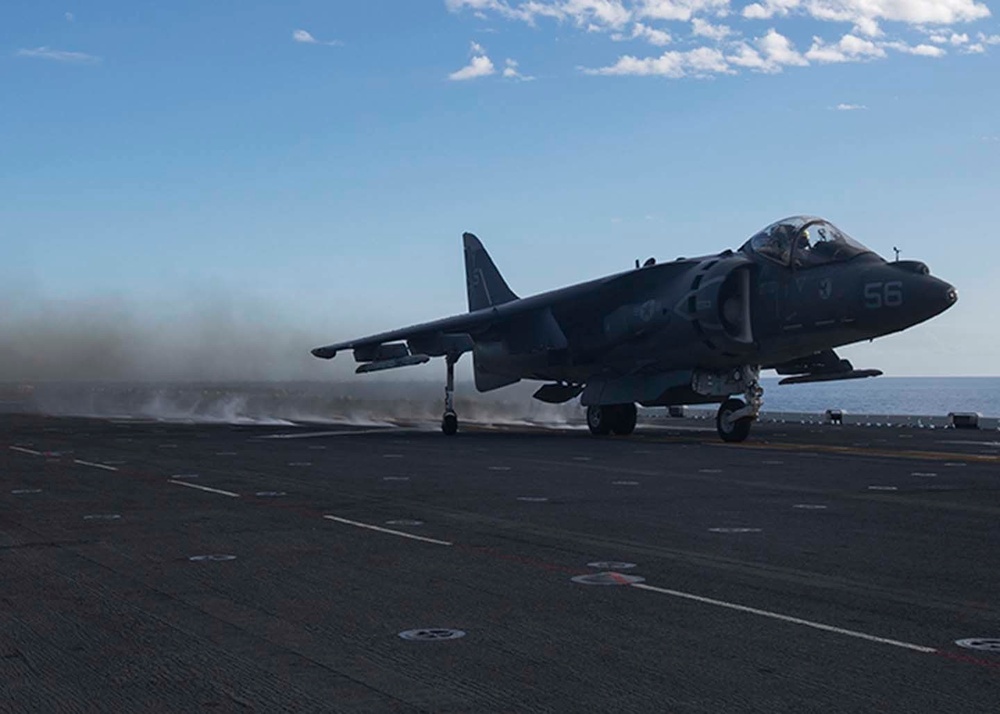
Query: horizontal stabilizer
(832, 377)
(392, 363)
(557, 393)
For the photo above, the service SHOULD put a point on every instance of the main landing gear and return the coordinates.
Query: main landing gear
(449, 422)
(611, 419)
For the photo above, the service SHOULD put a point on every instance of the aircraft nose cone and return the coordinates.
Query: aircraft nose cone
(939, 295)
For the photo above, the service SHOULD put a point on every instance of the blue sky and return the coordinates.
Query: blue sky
(312, 165)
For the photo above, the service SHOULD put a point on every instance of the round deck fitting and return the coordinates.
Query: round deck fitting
(431, 634)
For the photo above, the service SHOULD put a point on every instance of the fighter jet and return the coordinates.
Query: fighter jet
(688, 331)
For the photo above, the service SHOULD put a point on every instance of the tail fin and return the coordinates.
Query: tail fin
(482, 279)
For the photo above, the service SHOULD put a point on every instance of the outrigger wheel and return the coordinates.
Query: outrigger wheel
(732, 430)
(449, 423)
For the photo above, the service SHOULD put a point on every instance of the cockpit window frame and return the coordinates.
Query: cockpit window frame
(792, 228)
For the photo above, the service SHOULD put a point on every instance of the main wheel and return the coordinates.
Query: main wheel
(624, 419)
(449, 423)
(599, 420)
(732, 430)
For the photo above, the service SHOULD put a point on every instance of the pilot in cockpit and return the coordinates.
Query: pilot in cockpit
(803, 240)
(802, 247)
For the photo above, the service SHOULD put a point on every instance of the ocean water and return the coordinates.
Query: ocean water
(932, 396)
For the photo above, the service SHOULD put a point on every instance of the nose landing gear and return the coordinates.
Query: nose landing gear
(730, 429)
(734, 418)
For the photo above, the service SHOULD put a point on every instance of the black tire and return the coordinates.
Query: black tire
(599, 420)
(449, 424)
(625, 416)
(735, 431)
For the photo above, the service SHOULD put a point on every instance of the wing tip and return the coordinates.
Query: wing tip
(324, 353)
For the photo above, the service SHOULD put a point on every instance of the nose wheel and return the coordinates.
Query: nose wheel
(733, 429)
(449, 422)
(734, 418)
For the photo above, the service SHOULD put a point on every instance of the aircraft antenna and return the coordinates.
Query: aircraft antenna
(896, 251)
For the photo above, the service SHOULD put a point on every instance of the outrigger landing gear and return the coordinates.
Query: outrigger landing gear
(735, 416)
(612, 419)
(449, 422)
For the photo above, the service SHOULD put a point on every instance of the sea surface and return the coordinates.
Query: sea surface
(363, 401)
(932, 396)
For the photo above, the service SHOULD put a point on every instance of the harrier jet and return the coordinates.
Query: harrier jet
(690, 331)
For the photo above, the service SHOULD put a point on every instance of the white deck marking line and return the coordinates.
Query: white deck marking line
(346, 432)
(26, 451)
(786, 618)
(96, 466)
(204, 488)
(387, 530)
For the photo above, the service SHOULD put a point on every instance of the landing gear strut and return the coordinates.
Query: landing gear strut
(611, 418)
(449, 422)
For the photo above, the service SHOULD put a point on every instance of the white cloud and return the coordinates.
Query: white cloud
(769, 8)
(779, 50)
(307, 38)
(511, 71)
(702, 28)
(616, 14)
(919, 50)
(872, 28)
(593, 15)
(913, 12)
(479, 66)
(849, 107)
(848, 49)
(700, 62)
(70, 17)
(611, 13)
(868, 27)
(58, 55)
(770, 53)
(682, 10)
(747, 57)
(647, 33)
(652, 35)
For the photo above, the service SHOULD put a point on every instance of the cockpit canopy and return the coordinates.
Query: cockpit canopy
(804, 241)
